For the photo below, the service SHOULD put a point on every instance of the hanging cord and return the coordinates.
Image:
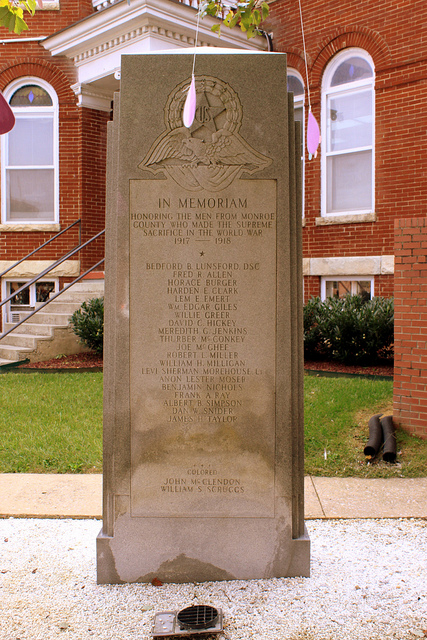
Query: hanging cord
(195, 41)
(305, 56)
(189, 110)
(313, 130)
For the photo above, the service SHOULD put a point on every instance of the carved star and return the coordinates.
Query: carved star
(202, 253)
(206, 114)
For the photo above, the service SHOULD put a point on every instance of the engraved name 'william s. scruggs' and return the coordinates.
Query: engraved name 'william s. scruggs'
(211, 153)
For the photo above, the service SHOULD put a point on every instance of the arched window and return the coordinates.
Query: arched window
(29, 169)
(296, 86)
(348, 134)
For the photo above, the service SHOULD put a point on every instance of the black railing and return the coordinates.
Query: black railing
(55, 264)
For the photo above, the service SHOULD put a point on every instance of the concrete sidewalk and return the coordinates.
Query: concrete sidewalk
(80, 496)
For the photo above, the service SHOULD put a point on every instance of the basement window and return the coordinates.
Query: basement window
(28, 299)
(347, 285)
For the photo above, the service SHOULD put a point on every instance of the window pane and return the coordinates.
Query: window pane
(21, 298)
(350, 121)
(31, 96)
(31, 142)
(362, 288)
(295, 85)
(349, 185)
(43, 289)
(351, 70)
(341, 288)
(30, 194)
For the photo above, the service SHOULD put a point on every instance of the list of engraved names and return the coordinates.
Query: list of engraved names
(202, 334)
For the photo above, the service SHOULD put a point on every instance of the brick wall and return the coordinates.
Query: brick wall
(398, 48)
(45, 22)
(93, 159)
(410, 327)
(82, 138)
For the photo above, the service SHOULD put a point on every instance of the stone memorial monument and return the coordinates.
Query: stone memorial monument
(203, 421)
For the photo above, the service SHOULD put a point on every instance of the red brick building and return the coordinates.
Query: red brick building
(367, 74)
(365, 195)
(366, 71)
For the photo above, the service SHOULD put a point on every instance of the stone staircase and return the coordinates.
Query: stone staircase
(47, 334)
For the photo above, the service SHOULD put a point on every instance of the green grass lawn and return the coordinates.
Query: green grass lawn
(336, 416)
(52, 423)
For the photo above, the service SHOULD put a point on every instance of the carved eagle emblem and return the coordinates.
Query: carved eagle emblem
(210, 154)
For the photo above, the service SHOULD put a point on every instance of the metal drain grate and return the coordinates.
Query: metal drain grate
(189, 621)
(198, 617)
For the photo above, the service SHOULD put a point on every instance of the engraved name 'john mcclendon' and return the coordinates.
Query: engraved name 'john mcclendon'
(210, 154)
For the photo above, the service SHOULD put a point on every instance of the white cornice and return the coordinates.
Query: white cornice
(171, 38)
(92, 98)
(121, 23)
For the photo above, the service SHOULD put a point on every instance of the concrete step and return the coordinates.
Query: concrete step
(62, 306)
(13, 353)
(26, 340)
(54, 319)
(43, 330)
(76, 298)
(91, 286)
(48, 332)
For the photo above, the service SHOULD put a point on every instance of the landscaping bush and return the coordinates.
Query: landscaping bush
(88, 324)
(349, 330)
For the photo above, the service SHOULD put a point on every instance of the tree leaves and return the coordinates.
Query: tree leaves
(247, 15)
(12, 14)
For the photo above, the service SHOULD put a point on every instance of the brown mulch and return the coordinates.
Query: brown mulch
(336, 367)
(77, 361)
(94, 361)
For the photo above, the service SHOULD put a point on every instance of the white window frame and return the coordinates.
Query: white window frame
(325, 279)
(36, 111)
(341, 90)
(299, 102)
(33, 304)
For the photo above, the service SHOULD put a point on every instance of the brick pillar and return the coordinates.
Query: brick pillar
(410, 325)
(93, 141)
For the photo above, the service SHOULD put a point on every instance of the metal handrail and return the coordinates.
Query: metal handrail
(79, 222)
(52, 266)
(6, 333)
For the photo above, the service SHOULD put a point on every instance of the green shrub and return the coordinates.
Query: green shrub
(313, 322)
(88, 324)
(349, 330)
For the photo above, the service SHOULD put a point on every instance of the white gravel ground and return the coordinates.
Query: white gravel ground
(369, 581)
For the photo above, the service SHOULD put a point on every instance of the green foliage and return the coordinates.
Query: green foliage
(12, 14)
(247, 15)
(88, 324)
(350, 330)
